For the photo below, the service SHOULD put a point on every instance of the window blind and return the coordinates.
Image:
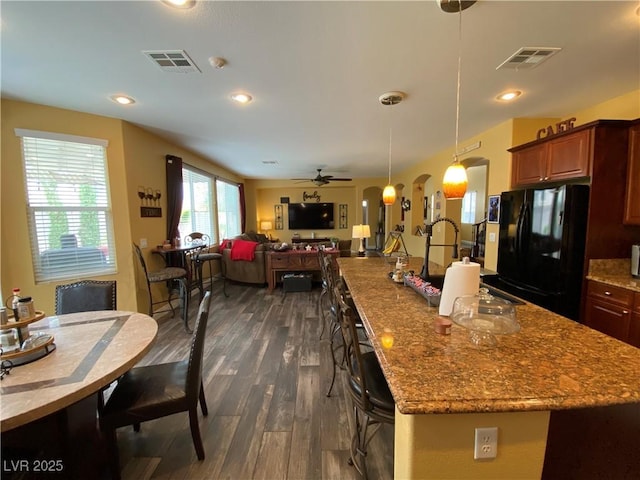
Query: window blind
(228, 195)
(197, 208)
(68, 206)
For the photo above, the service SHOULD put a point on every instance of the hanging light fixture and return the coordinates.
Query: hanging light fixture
(454, 183)
(390, 98)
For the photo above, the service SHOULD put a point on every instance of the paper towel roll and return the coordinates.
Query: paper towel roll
(459, 279)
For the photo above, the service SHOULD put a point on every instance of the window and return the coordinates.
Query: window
(229, 219)
(469, 207)
(68, 205)
(197, 208)
(199, 211)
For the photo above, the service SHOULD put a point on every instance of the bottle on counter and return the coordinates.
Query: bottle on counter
(26, 309)
(12, 303)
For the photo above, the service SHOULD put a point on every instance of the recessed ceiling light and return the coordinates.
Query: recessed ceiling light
(508, 96)
(122, 99)
(241, 97)
(184, 4)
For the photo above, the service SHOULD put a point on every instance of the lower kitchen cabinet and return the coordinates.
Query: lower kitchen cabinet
(634, 327)
(609, 310)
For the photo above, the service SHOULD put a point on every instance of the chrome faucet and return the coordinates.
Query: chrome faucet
(428, 230)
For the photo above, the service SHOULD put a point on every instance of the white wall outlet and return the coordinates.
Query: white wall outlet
(492, 237)
(143, 243)
(486, 445)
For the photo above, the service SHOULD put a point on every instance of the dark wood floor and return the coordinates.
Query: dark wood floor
(265, 376)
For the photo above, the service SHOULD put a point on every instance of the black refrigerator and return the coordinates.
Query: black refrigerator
(542, 245)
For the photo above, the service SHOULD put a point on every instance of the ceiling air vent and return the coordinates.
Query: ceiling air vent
(176, 61)
(528, 57)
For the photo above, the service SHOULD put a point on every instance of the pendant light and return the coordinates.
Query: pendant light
(454, 183)
(390, 98)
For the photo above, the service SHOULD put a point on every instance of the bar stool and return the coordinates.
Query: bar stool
(201, 256)
(167, 274)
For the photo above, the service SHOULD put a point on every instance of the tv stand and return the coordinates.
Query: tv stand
(310, 240)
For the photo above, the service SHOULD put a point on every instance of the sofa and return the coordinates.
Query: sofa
(246, 271)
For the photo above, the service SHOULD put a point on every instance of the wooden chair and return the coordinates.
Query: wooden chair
(372, 401)
(86, 296)
(167, 275)
(154, 391)
(201, 256)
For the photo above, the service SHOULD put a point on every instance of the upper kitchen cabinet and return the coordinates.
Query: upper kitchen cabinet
(632, 205)
(559, 158)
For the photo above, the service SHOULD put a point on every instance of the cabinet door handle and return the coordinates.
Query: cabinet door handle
(624, 312)
(607, 293)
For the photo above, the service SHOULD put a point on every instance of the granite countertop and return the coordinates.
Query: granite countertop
(553, 363)
(614, 271)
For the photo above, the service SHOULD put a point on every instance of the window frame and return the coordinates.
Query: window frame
(71, 261)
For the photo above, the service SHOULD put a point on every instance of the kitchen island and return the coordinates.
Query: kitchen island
(444, 387)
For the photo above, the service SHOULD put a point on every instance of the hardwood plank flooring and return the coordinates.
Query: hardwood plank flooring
(265, 374)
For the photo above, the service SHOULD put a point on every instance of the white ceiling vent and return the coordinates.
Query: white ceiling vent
(176, 61)
(528, 57)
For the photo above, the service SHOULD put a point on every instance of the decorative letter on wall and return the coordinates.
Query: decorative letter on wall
(278, 217)
(343, 216)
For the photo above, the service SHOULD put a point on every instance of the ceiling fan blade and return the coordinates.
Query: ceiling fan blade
(340, 179)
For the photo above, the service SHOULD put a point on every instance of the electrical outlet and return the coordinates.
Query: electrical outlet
(492, 237)
(486, 445)
(143, 243)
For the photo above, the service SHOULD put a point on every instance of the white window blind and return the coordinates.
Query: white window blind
(197, 208)
(229, 223)
(68, 205)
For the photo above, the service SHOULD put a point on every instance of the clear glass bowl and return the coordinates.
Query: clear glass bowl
(485, 316)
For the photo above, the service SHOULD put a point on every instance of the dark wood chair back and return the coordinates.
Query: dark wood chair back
(86, 296)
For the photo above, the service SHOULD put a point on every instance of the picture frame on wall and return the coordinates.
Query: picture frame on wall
(493, 213)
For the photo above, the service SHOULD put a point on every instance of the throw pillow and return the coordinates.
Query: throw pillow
(226, 243)
(243, 250)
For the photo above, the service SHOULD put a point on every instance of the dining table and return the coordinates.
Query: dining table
(93, 349)
(445, 386)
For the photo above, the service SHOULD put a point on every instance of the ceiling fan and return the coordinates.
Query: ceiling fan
(320, 179)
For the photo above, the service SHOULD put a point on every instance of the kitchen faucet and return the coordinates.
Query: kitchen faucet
(428, 230)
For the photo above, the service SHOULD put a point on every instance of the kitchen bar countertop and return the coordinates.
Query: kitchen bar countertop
(553, 363)
(613, 271)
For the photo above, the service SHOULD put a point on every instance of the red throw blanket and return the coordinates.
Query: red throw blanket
(243, 250)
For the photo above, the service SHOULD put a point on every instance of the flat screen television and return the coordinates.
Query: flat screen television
(311, 216)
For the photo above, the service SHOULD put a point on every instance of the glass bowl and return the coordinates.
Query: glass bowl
(485, 316)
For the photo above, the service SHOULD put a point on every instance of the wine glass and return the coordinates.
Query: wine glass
(157, 196)
(149, 195)
(141, 194)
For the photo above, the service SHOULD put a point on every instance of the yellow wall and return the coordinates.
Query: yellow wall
(17, 266)
(441, 446)
(134, 157)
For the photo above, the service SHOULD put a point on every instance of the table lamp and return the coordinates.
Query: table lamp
(265, 227)
(361, 232)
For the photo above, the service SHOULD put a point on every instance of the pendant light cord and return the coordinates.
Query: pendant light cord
(455, 154)
(390, 137)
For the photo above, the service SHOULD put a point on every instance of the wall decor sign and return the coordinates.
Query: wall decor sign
(560, 127)
(149, 202)
(311, 196)
(342, 215)
(279, 224)
(493, 215)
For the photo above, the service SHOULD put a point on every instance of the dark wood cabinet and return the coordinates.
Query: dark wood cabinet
(634, 327)
(632, 205)
(609, 310)
(559, 158)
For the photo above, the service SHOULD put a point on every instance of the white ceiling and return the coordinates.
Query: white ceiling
(316, 70)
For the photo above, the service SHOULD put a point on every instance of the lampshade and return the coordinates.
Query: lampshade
(454, 183)
(266, 226)
(389, 195)
(361, 231)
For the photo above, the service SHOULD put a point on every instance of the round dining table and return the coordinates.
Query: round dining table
(93, 349)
